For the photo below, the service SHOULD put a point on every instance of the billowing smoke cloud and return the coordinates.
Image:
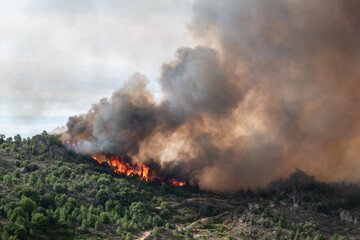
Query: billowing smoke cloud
(277, 89)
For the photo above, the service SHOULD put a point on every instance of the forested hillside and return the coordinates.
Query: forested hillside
(49, 192)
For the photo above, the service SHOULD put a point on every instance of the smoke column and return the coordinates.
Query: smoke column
(275, 86)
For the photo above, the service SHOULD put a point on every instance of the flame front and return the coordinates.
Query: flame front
(120, 166)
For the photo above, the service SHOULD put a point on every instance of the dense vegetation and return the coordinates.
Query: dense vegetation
(48, 192)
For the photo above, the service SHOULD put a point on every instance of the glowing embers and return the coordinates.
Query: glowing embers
(176, 182)
(68, 142)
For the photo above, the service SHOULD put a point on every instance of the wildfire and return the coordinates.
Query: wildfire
(120, 166)
(176, 182)
(69, 142)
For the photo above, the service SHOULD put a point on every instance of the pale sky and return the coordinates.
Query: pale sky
(59, 57)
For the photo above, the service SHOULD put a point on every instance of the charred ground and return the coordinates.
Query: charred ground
(48, 192)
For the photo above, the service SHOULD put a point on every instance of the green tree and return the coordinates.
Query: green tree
(8, 180)
(137, 211)
(27, 204)
(61, 223)
(104, 218)
(17, 173)
(155, 231)
(119, 231)
(33, 178)
(20, 232)
(39, 222)
(60, 188)
(17, 139)
(102, 196)
(97, 225)
(14, 148)
(2, 138)
(84, 225)
(5, 235)
(128, 236)
(109, 205)
(26, 178)
(17, 163)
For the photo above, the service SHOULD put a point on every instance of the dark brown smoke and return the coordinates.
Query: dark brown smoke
(278, 87)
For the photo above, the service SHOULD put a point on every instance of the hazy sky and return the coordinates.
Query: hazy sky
(59, 57)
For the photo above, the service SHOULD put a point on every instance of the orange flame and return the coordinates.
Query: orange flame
(176, 182)
(67, 142)
(120, 166)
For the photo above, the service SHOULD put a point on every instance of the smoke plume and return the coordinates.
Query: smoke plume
(276, 86)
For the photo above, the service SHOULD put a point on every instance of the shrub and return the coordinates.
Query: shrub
(4, 145)
(97, 225)
(319, 237)
(17, 163)
(155, 231)
(282, 222)
(26, 178)
(277, 233)
(60, 188)
(65, 171)
(17, 173)
(241, 231)
(128, 236)
(323, 208)
(7, 180)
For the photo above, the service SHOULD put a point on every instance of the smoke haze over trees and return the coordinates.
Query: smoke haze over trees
(275, 86)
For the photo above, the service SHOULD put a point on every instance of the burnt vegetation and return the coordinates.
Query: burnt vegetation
(49, 192)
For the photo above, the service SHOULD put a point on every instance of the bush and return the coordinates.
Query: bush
(277, 233)
(282, 222)
(128, 236)
(97, 226)
(60, 188)
(48, 201)
(103, 182)
(65, 171)
(7, 180)
(323, 208)
(17, 163)
(4, 145)
(155, 231)
(319, 237)
(17, 173)
(265, 222)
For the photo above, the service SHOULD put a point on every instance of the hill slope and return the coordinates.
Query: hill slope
(48, 192)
